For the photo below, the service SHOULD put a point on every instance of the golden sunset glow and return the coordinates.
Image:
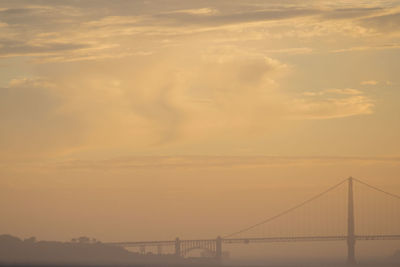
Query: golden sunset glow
(148, 120)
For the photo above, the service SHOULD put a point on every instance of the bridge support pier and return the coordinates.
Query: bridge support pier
(218, 248)
(178, 253)
(351, 238)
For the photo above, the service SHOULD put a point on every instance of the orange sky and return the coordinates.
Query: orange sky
(148, 117)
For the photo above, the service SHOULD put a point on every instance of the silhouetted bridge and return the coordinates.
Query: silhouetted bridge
(214, 246)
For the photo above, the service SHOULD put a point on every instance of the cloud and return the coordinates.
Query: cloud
(152, 77)
(331, 103)
(389, 83)
(388, 46)
(369, 82)
(173, 162)
(369, 47)
(48, 16)
(346, 91)
(33, 122)
(220, 18)
(174, 96)
(150, 102)
(199, 11)
(70, 31)
(291, 51)
(161, 101)
(15, 48)
(351, 13)
(385, 23)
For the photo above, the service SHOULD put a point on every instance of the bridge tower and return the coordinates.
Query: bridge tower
(351, 238)
(178, 247)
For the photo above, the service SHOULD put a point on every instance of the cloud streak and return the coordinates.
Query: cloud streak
(332, 103)
(54, 30)
(173, 162)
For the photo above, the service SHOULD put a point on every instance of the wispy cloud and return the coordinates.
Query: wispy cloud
(369, 82)
(332, 103)
(199, 11)
(52, 30)
(384, 23)
(390, 46)
(172, 162)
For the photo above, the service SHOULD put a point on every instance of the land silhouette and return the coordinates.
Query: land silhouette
(83, 250)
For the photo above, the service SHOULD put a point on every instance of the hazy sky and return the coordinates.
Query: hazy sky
(169, 112)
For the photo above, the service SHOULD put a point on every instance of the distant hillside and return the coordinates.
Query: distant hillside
(81, 251)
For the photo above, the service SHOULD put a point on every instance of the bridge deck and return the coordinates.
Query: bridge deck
(258, 240)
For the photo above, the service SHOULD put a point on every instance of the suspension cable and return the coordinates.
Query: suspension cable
(287, 211)
(377, 189)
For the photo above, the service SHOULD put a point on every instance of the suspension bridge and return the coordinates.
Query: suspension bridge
(349, 235)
